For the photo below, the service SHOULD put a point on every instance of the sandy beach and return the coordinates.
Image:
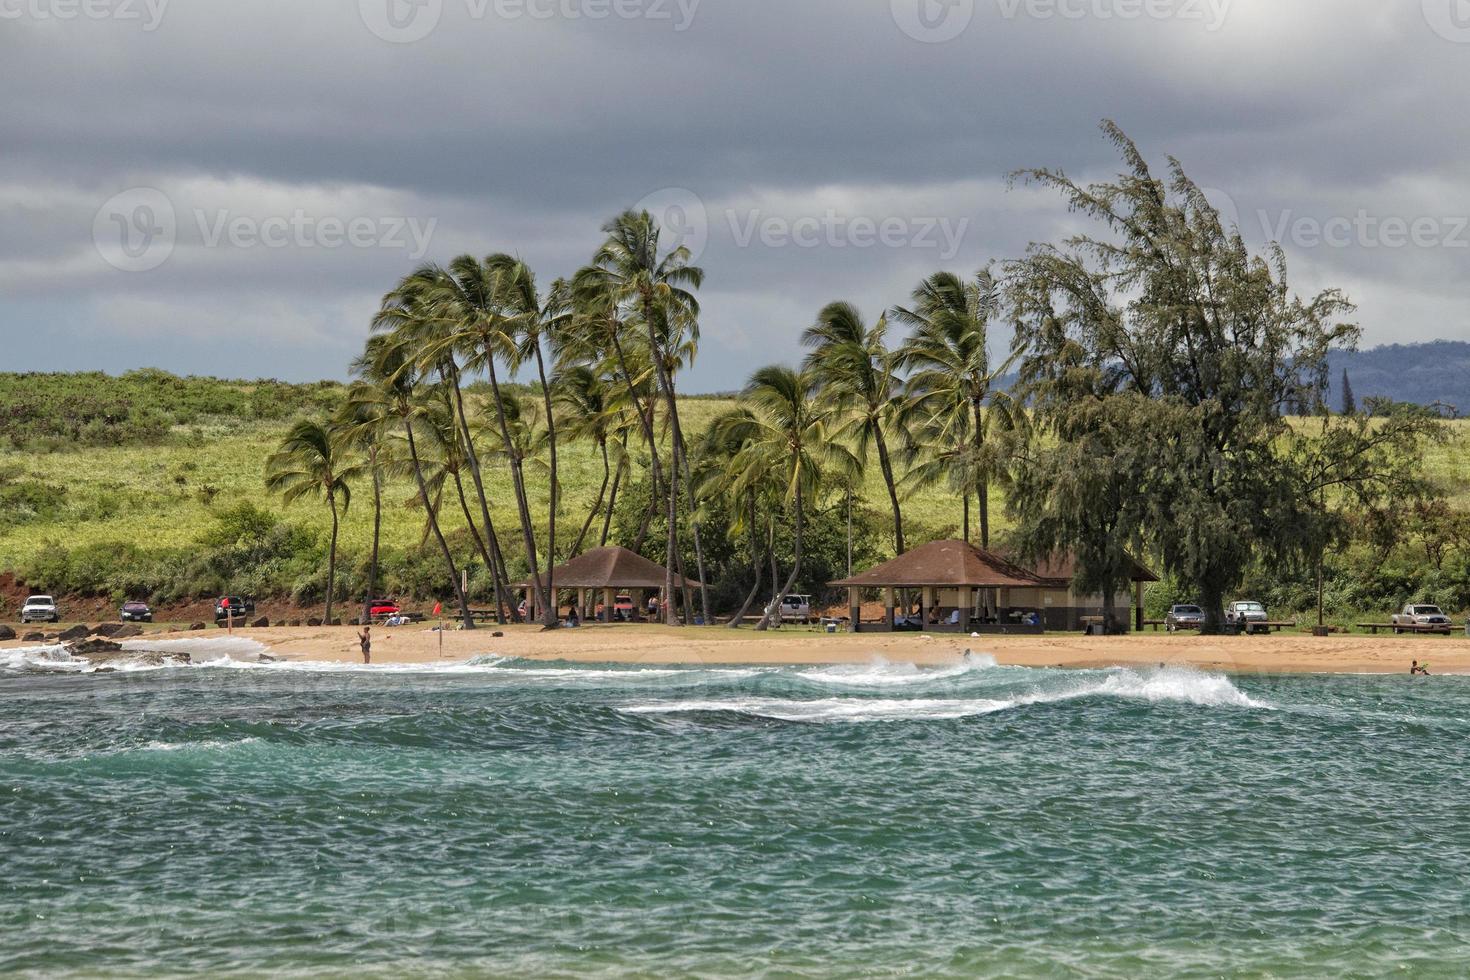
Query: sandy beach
(1279, 653)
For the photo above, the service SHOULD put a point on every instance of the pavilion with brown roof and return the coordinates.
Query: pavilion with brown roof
(1067, 609)
(609, 571)
(956, 568)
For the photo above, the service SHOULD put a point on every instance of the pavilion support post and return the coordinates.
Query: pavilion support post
(926, 604)
(854, 609)
(966, 601)
(608, 603)
(640, 604)
(1138, 606)
(888, 601)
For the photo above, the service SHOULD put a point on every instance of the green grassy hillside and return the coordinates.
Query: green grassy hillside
(154, 484)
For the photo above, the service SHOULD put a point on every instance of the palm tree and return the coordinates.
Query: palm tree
(365, 424)
(463, 313)
(789, 437)
(952, 382)
(719, 481)
(582, 395)
(629, 269)
(312, 462)
(390, 377)
(859, 373)
(533, 321)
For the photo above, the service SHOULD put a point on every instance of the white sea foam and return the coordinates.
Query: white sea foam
(831, 709)
(1174, 684)
(1178, 685)
(202, 648)
(52, 656)
(881, 673)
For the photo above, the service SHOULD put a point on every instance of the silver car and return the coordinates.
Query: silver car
(1249, 616)
(1184, 617)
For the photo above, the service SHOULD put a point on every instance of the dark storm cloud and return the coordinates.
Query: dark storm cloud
(833, 150)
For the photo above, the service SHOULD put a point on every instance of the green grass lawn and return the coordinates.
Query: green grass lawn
(153, 495)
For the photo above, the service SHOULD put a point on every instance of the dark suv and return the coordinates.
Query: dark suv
(238, 608)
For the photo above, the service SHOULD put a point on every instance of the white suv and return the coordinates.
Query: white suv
(796, 608)
(39, 609)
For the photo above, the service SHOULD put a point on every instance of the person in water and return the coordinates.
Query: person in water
(1419, 671)
(365, 640)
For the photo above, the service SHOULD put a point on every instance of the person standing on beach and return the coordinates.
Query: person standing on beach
(365, 640)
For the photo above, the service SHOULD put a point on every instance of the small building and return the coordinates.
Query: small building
(958, 587)
(1061, 607)
(954, 586)
(604, 574)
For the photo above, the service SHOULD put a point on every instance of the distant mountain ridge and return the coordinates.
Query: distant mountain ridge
(1437, 371)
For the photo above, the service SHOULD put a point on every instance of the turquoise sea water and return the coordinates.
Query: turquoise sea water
(531, 819)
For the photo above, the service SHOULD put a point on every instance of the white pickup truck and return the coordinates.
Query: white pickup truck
(1420, 618)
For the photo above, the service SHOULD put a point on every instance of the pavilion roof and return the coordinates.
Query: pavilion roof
(945, 564)
(610, 568)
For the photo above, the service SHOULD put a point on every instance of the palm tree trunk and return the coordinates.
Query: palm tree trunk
(552, 617)
(418, 472)
(681, 453)
(966, 498)
(775, 609)
(367, 611)
(982, 494)
(612, 503)
(755, 567)
(497, 572)
(886, 465)
(671, 548)
(331, 557)
(518, 481)
(597, 507)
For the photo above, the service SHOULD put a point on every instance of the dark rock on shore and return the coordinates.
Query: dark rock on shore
(126, 630)
(6, 633)
(74, 632)
(313, 622)
(197, 626)
(93, 648)
(103, 653)
(34, 637)
(262, 621)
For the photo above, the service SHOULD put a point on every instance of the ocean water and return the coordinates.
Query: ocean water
(533, 819)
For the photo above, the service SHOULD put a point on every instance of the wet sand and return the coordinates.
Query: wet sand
(1277, 653)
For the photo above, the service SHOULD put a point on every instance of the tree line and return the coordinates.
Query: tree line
(1156, 359)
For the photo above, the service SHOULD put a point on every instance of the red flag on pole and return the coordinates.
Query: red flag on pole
(438, 608)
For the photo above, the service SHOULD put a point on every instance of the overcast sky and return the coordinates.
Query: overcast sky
(229, 186)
